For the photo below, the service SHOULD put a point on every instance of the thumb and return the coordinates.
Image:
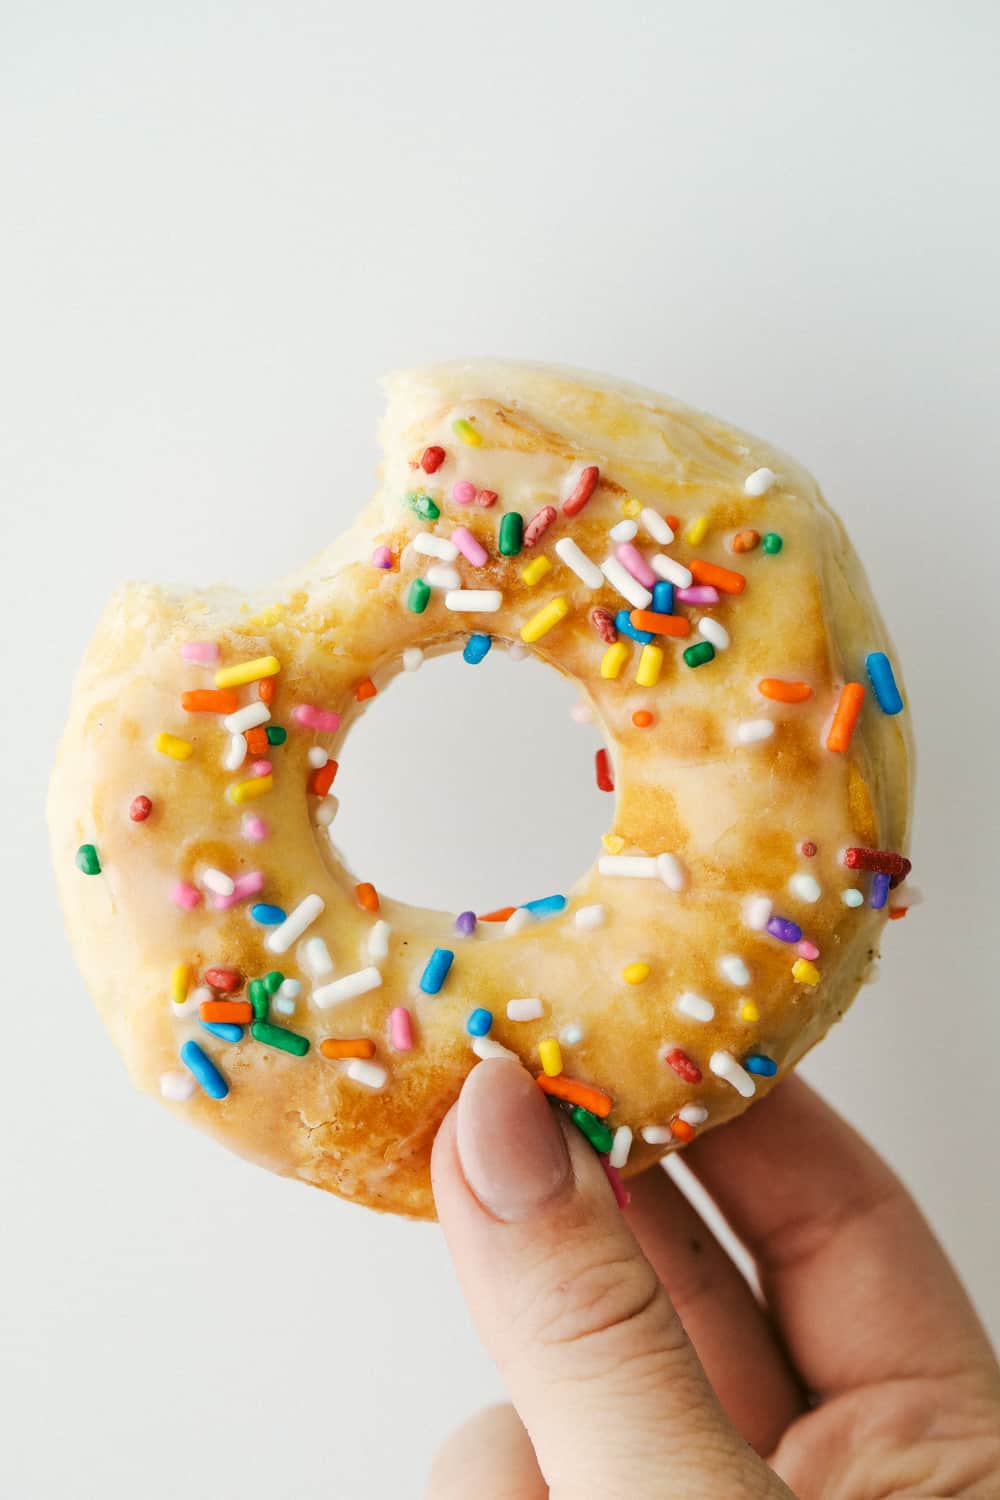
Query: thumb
(585, 1337)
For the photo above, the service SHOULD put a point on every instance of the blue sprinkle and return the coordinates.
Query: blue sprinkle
(479, 1022)
(436, 970)
(267, 916)
(204, 1070)
(465, 923)
(882, 680)
(764, 1067)
(226, 1031)
(879, 893)
(476, 648)
(663, 598)
(625, 627)
(545, 906)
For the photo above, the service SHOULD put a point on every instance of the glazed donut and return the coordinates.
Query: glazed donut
(694, 584)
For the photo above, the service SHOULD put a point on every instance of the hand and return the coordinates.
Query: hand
(639, 1361)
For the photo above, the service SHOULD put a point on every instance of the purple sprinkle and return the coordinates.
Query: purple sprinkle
(699, 593)
(781, 927)
(382, 557)
(879, 893)
(465, 923)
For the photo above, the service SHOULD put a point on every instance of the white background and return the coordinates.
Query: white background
(221, 223)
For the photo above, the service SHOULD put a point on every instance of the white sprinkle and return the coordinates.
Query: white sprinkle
(579, 563)
(282, 1005)
(759, 482)
(518, 921)
(177, 1086)
(637, 866)
(806, 887)
(908, 895)
(752, 731)
(674, 572)
(246, 718)
(671, 872)
(370, 1074)
(291, 989)
(852, 896)
(218, 882)
(517, 651)
(412, 658)
(348, 988)
(581, 713)
(621, 579)
(624, 531)
(757, 912)
(589, 917)
(693, 1114)
(695, 1006)
(435, 546)
(659, 529)
(656, 1135)
(724, 1066)
(620, 1147)
(235, 753)
(378, 941)
(295, 924)
(443, 576)
(474, 601)
(484, 1047)
(317, 757)
(714, 632)
(525, 1010)
(325, 811)
(732, 967)
(316, 958)
(193, 1003)
(572, 1035)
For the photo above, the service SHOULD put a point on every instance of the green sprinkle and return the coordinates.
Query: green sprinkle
(772, 543)
(597, 1133)
(273, 981)
(276, 735)
(278, 1036)
(87, 860)
(418, 596)
(697, 656)
(511, 531)
(258, 997)
(423, 505)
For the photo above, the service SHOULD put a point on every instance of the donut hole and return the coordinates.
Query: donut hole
(471, 787)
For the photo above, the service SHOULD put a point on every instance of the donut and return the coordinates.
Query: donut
(695, 586)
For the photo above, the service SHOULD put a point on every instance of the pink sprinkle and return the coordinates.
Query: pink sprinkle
(184, 894)
(807, 949)
(254, 828)
(700, 593)
(250, 884)
(622, 1195)
(401, 1029)
(382, 557)
(261, 768)
(206, 652)
(463, 493)
(539, 525)
(471, 549)
(631, 558)
(315, 718)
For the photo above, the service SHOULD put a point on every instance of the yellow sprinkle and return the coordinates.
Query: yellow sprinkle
(650, 662)
(635, 973)
(246, 791)
(172, 745)
(613, 842)
(465, 430)
(550, 614)
(631, 508)
(614, 659)
(247, 671)
(805, 972)
(535, 571)
(179, 976)
(749, 1011)
(550, 1053)
(696, 531)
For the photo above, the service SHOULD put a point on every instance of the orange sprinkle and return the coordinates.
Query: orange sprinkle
(365, 689)
(256, 739)
(648, 619)
(897, 912)
(642, 718)
(500, 915)
(321, 779)
(367, 896)
(720, 578)
(238, 1012)
(265, 689)
(681, 1130)
(358, 1046)
(674, 522)
(784, 692)
(745, 541)
(574, 1092)
(852, 695)
(209, 701)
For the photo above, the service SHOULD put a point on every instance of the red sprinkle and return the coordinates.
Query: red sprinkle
(486, 498)
(140, 809)
(227, 981)
(881, 860)
(538, 525)
(321, 779)
(431, 460)
(683, 1066)
(603, 767)
(365, 689)
(603, 622)
(674, 522)
(809, 849)
(585, 487)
